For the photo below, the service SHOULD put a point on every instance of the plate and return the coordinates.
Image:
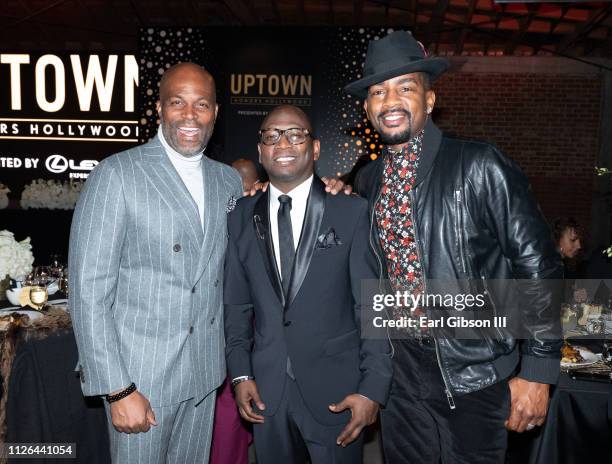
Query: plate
(588, 358)
(593, 343)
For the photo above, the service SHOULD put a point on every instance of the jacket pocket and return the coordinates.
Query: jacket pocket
(342, 343)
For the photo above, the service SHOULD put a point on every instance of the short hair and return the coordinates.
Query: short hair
(563, 224)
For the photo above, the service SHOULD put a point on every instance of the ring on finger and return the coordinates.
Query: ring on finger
(531, 426)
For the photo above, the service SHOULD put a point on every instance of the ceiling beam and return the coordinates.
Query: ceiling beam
(42, 31)
(432, 31)
(136, 13)
(242, 11)
(493, 15)
(466, 28)
(524, 24)
(33, 14)
(498, 16)
(583, 30)
(557, 21)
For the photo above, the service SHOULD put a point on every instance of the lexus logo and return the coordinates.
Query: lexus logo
(58, 164)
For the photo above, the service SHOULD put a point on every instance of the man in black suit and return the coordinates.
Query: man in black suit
(296, 260)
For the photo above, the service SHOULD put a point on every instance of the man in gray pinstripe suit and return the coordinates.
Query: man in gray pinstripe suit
(146, 258)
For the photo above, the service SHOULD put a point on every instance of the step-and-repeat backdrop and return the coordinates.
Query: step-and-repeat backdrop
(258, 68)
(61, 113)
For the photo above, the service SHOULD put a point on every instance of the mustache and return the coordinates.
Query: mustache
(176, 124)
(394, 110)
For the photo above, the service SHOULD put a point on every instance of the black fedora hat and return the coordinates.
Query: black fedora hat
(396, 54)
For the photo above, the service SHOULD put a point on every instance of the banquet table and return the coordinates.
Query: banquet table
(44, 404)
(42, 398)
(578, 428)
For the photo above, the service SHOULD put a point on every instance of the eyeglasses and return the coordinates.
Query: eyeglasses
(295, 135)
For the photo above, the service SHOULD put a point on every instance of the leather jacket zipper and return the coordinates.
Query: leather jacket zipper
(449, 395)
(459, 231)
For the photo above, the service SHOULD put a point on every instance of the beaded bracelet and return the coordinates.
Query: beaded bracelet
(122, 394)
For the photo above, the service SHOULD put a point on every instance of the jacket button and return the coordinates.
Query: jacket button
(287, 323)
(176, 247)
(193, 290)
(191, 329)
(217, 283)
(212, 321)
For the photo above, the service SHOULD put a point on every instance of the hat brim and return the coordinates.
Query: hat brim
(432, 66)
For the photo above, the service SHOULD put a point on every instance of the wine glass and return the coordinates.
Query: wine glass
(56, 269)
(39, 281)
(42, 275)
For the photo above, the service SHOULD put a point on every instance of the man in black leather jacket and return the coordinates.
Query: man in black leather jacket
(447, 208)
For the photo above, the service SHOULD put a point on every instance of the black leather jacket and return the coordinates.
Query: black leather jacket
(476, 218)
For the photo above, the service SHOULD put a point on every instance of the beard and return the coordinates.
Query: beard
(170, 130)
(396, 139)
(399, 137)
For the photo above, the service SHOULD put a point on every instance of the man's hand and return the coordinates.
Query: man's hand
(363, 411)
(528, 404)
(132, 414)
(245, 393)
(263, 186)
(334, 186)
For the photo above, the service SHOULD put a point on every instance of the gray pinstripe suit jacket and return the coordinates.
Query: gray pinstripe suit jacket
(146, 280)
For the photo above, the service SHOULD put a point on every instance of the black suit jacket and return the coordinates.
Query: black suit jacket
(318, 326)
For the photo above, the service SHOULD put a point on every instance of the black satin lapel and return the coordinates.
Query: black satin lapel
(310, 230)
(261, 224)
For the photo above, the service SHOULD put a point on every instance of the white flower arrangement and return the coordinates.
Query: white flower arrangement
(51, 194)
(4, 191)
(16, 258)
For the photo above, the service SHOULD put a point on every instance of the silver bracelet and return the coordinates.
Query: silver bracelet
(242, 378)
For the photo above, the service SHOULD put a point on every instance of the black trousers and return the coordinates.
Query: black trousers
(292, 435)
(418, 425)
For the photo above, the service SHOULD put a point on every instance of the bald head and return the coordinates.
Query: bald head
(187, 107)
(182, 71)
(291, 111)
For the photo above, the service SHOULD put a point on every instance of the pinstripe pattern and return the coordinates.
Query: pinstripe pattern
(131, 296)
(183, 436)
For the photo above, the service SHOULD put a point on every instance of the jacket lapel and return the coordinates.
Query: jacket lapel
(310, 230)
(214, 209)
(432, 138)
(159, 169)
(261, 225)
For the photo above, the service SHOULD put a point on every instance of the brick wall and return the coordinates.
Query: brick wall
(548, 123)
